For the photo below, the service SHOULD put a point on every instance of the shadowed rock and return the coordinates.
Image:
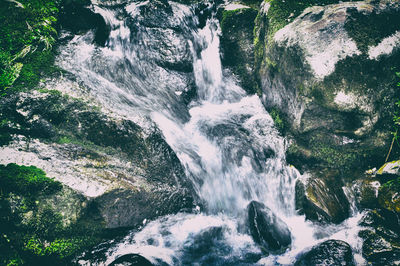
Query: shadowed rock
(131, 260)
(331, 252)
(267, 229)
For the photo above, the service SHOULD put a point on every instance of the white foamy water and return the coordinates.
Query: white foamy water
(225, 139)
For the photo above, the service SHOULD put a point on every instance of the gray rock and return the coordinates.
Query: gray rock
(128, 208)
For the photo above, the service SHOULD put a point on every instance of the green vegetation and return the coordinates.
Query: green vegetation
(279, 121)
(27, 34)
(26, 181)
(33, 233)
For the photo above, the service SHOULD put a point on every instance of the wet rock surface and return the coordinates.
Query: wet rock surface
(267, 229)
(330, 252)
(320, 201)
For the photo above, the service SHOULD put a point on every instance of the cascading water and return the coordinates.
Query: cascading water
(225, 139)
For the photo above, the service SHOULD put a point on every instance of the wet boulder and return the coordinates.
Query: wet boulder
(321, 202)
(77, 17)
(131, 260)
(330, 252)
(267, 230)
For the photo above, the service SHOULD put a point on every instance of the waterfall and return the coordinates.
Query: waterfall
(225, 139)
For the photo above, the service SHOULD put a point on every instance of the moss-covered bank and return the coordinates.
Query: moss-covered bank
(34, 232)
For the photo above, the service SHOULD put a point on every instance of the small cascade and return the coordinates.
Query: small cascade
(226, 140)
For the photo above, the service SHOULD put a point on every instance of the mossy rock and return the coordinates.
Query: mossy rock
(339, 111)
(39, 226)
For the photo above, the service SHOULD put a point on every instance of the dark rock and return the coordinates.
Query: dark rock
(237, 45)
(267, 229)
(321, 202)
(330, 252)
(378, 249)
(131, 260)
(76, 17)
(383, 221)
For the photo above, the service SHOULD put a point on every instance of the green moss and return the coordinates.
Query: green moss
(27, 33)
(26, 180)
(52, 92)
(334, 157)
(369, 29)
(279, 121)
(59, 248)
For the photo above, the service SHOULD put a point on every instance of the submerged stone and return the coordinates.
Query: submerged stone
(267, 229)
(330, 252)
(131, 260)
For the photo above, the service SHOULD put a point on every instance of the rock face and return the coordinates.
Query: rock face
(266, 229)
(329, 72)
(321, 202)
(330, 252)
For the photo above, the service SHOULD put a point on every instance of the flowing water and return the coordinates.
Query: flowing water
(225, 139)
